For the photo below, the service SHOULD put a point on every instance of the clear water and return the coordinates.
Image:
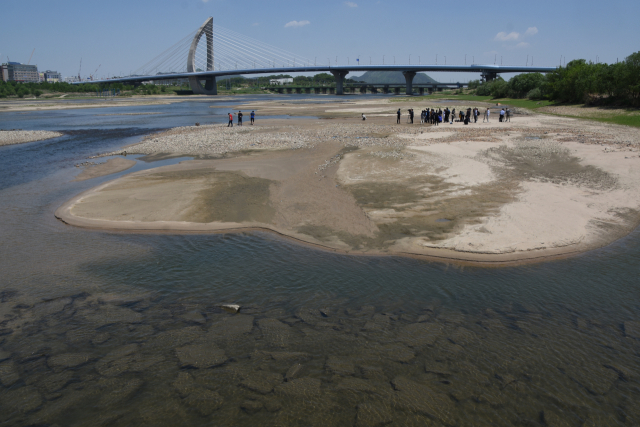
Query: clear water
(100, 328)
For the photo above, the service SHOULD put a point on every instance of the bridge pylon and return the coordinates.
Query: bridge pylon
(210, 87)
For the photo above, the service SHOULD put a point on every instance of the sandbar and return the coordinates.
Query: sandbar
(536, 188)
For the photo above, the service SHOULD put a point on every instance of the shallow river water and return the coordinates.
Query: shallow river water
(100, 328)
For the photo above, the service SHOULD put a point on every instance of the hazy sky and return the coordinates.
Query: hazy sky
(123, 35)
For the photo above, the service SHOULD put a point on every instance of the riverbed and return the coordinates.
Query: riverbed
(121, 328)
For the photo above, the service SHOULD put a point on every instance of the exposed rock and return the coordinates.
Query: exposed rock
(301, 387)
(293, 372)
(231, 308)
(373, 415)
(261, 382)
(68, 360)
(200, 356)
(204, 401)
(4, 355)
(419, 334)
(339, 366)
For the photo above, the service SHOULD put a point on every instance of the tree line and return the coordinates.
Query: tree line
(577, 82)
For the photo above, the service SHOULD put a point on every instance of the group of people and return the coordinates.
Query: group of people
(240, 115)
(435, 117)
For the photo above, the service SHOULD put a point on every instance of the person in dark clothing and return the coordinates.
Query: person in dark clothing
(411, 115)
(253, 117)
(398, 113)
(230, 120)
(239, 118)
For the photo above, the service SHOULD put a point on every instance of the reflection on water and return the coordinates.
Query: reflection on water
(126, 329)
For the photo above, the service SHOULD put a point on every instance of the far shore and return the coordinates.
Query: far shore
(539, 187)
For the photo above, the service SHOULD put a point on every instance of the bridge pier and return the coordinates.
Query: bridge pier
(339, 75)
(421, 91)
(396, 90)
(487, 76)
(408, 77)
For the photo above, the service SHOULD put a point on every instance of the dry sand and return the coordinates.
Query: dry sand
(538, 187)
(10, 137)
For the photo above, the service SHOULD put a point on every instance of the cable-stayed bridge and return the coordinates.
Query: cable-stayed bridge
(205, 54)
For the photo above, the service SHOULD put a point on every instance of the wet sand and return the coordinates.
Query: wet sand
(109, 167)
(534, 188)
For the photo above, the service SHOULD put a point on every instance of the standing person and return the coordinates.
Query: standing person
(486, 115)
(508, 114)
(453, 115)
(253, 117)
(398, 113)
(364, 117)
(502, 115)
(411, 115)
(475, 115)
(230, 120)
(239, 118)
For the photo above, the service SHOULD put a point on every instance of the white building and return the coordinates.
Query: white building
(280, 81)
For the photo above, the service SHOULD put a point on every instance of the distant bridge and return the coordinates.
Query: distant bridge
(256, 57)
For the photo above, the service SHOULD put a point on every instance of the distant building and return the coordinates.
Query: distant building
(4, 73)
(280, 81)
(52, 76)
(18, 72)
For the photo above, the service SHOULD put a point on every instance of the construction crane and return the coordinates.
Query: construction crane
(79, 70)
(34, 49)
(94, 73)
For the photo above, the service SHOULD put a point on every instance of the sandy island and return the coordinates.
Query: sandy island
(537, 187)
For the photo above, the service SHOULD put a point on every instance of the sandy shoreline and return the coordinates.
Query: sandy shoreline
(539, 187)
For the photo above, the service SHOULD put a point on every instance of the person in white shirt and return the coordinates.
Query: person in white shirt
(502, 115)
(486, 116)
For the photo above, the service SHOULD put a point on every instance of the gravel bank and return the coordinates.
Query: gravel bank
(9, 137)
(219, 139)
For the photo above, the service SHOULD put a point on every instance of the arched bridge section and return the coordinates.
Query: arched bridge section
(210, 87)
(239, 55)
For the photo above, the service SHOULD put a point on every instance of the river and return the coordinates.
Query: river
(108, 328)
